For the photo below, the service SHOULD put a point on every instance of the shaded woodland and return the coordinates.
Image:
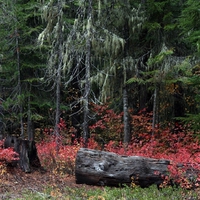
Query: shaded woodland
(99, 92)
(61, 59)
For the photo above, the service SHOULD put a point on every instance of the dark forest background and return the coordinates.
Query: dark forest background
(74, 60)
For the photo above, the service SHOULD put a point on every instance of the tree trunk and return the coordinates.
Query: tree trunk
(27, 151)
(19, 83)
(154, 110)
(58, 72)
(127, 136)
(126, 116)
(29, 118)
(105, 168)
(142, 96)
(87, 76)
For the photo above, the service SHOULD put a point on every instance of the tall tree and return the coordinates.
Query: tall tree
(190, 31)
(32, 62)
(189, 24)
(13, 42)
(52, 35)
(59, 51)
(159, 37)
(22, 63)
(123, 24)
(68, 53)
(86, 94)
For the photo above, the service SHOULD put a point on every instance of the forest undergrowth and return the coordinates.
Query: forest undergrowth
(174, 142)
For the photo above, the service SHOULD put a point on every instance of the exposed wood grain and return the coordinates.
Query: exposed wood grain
(95, 167)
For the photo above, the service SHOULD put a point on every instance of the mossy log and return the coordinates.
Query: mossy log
(95, 167)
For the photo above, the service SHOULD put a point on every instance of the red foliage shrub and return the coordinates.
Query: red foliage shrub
(108, 124)
(175, 143)
(60, 159)
(7, 155)
(54, 153)
(180, 148)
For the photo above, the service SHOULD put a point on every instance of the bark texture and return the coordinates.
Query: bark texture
(95, 167)
(27, 151)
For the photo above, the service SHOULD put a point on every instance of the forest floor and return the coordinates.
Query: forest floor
(14, 182)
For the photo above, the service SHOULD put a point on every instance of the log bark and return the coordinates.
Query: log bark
(95, 167)
(27, 151)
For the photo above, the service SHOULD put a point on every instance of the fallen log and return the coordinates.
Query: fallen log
(95, 167)
(27, 151)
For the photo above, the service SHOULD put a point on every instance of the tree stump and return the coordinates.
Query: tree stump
(27, 152)
(95, 167)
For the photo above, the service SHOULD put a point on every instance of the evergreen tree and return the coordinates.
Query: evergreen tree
(11, 67)
(58, 16)
(189, 24)
(119, 24)
(163, 50)
(22, 64)
(144, 43)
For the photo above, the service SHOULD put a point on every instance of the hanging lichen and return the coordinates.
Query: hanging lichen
(49, 15)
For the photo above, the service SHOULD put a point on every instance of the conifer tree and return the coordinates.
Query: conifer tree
(164, 50)
(23, 63)
(190, 31)
(189, 24)
(11, 69)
